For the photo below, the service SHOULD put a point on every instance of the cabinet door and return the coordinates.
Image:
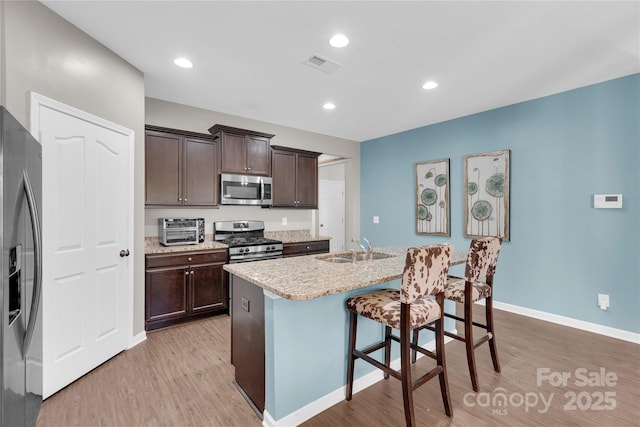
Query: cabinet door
(258, 155)
(200, 173)
(166, 294)
(163, 169)
(208, 290)
(307, 182)
(284, 179)
(233, 153)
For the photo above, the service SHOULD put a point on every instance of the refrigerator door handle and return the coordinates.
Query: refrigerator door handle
(37, 249)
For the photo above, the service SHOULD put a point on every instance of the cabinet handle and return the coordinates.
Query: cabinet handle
(189, 259)
(191, 271)
(186, 273)
(179, 199)
(185, 200)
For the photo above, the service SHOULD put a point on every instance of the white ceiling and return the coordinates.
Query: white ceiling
(248, 56)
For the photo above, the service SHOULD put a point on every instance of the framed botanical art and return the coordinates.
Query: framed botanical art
(486, 194)
(432, 198)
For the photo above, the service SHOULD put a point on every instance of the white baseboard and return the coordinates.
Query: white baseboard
(137, 339)
(568, 321)
(328, 400)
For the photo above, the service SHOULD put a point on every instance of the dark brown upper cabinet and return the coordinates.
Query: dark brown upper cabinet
(295, 178)
(244, 152)
(181, 168)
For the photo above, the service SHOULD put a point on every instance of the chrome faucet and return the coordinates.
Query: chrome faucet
(367, 249)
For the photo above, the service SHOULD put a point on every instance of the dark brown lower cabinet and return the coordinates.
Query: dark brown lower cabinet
(184, 286)
(247, 341)
(305, 248)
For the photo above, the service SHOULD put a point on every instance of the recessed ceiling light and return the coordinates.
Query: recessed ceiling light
(430, 85)
(183, 63)
(329, 106)
(339, 40)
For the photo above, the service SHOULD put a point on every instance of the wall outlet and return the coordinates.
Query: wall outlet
(603, 301)
(376, 219)
(284, 220)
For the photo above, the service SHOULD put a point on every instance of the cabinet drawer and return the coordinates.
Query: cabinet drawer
(185, 258)
(305, 248)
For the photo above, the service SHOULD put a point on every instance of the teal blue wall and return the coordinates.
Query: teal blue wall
(564, 149)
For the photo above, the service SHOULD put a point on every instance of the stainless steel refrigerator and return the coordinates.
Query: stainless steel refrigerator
(21, 343)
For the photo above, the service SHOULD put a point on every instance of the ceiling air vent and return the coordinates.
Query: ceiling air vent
(323, 64)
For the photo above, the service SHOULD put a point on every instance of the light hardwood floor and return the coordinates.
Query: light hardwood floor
(181, 376)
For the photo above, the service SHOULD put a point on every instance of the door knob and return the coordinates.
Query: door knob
(124, 253)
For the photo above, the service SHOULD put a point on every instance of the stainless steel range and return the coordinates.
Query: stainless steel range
(246, 241)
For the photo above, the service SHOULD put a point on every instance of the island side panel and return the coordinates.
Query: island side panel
(306, 350)
(247, 340)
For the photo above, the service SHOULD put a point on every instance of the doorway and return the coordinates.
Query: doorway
(331, 202)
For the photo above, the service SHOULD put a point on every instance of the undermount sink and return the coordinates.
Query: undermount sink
(346, 257)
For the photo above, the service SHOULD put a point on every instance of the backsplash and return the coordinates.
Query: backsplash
(296, 219)
(289, 235)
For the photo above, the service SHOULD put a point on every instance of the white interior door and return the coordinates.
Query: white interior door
(87, 216)
(331, 212)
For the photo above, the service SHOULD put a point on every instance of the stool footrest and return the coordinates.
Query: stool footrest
(362, 355)
(481, 341)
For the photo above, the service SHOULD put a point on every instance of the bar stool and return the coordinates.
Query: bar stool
(476, 285)
(425, 273)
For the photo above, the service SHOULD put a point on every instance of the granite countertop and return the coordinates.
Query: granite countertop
(306, 277)
(152, 246)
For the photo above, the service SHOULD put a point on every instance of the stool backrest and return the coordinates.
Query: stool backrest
(425, 272)
(482, 259)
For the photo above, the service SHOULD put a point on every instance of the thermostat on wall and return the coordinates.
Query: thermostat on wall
(607, 201)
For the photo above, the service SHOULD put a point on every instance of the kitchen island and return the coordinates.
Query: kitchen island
(290, 326)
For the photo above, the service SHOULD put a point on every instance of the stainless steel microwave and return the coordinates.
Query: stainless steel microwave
(245, 190)
(180, 231)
